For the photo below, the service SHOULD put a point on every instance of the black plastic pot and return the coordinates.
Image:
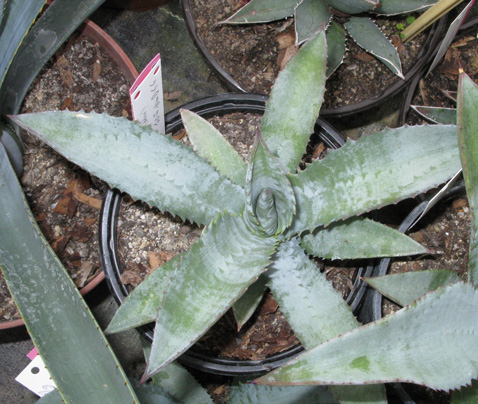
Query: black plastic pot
(426, 54)
(207, 107)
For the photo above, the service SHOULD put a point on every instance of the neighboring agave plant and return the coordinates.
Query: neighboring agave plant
(313, 15)
(259, 217)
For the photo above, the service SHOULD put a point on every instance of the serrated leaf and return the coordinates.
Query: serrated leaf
(432, 342)
(353, 6)
(446, 116)
(369, 37)
(210, 277)
(269, 195)
(467, 107)
(467, 395)
(294, 104)
(314, 309)
(56, 316)
(359, 238)
(335, 47)
(142, 304)
(210, 144)
(250, 394)
(19, 16)
(247, 304)
(50, 30)
(405, 288)
(310, 17)
(374, 171)
(138, 160)
(393, 7)
(263, 11)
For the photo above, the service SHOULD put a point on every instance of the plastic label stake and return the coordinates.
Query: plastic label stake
(147, 96)
(35, 376)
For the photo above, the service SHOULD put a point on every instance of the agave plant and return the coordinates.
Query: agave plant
(261, 218)
(310, 16)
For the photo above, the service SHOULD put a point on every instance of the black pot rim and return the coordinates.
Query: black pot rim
(223, 103)
(424, 57)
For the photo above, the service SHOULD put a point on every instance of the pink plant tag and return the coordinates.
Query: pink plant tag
(147, 96)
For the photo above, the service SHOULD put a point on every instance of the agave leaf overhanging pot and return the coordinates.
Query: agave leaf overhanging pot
(427, 51)
(208, 107)
(14, 90)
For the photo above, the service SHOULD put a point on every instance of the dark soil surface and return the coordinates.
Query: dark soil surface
(64, 199)
(254, 54)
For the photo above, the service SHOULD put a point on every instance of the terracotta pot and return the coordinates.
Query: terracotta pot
(113, 267)
(96, 34)
(135, 5)
(427, 52)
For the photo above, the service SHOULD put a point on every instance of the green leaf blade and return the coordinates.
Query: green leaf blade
(467, 107)
(54, 312)
(376, 170)
(353, 6)
(310, 17)
(211, 145)
(263, 11)
(335, 47)
(446, 116)
(313, 308)
(429, 343)
(368, 36)
(393, 7)
(357, 238)
(19, 16)
(210, 277)
(405, 288)
(139, 161)
(294, 104)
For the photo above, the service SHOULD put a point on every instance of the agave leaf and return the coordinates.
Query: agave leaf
(247, 304)
(374, 171)
(353, 6)
(436, 115)
(19, 16)
(430, 342)
(313, 308)
(392, 7)
(210, 277)
(178, 382)
(210, 144)
(138, 160)
(56, 316)
(294, 104)
(53, 27)
(310, 17)
(405, 288)
(250, 394)
(335, 47)
(148, 394)
(263, 11)
(467, 107)
(467, 395)
(367, 35)
(269, 195)
(359, 238)
(142, 304)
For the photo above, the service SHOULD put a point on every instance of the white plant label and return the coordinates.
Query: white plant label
(36, 378)
(147, 96)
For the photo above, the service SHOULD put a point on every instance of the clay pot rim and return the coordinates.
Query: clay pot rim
(95, 33)
(423, 59)
(225, 103)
